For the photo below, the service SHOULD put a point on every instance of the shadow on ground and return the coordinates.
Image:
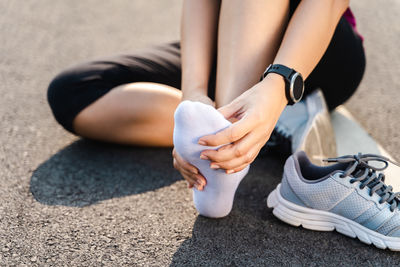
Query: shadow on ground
(86, 172)
(252, 236)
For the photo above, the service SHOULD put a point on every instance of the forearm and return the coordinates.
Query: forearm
(256, 111)
(309, 33)
(198, 43)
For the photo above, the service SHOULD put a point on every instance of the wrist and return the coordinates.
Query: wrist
(276, 83)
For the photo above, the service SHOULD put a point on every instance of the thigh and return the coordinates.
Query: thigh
(341, 68)
(79, 86)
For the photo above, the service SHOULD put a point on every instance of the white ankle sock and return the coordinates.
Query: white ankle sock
(192, 121)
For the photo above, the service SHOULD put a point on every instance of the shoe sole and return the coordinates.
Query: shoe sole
(319, 220)
(318, 140)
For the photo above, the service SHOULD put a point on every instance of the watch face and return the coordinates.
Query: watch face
(296, 87)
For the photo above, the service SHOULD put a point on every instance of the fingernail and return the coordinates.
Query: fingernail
(203, 156)
(214, 166)
(199, 187)
(201, 142)
(200, 182)
(195, 171)
(229, 171)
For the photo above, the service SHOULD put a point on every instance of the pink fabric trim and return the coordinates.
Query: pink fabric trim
(349, 16)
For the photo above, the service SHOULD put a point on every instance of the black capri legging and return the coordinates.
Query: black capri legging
(338, 74)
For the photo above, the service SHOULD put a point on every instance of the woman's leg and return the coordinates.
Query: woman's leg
(128, 99)
(134, 113)
(340, 70)
(249, 35)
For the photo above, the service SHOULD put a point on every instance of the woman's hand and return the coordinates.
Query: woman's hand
(189, 172)
(254, 113)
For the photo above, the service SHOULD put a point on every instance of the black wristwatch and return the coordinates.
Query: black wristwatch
(294, 84)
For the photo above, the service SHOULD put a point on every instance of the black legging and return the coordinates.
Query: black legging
(338, 74)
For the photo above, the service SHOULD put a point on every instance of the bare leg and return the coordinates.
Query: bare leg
(135, 113)
(142, 113)
(249, 35)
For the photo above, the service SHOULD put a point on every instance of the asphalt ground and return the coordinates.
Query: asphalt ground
(66, 201)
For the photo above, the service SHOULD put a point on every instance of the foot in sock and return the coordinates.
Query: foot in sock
(192, 121)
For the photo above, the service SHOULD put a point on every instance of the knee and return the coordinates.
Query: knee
(57, 97)
(348, 78)
(351, 81)
(55, 89)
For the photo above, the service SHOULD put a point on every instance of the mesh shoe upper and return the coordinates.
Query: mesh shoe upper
(325, 188)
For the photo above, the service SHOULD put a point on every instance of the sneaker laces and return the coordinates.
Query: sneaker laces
(367, 175)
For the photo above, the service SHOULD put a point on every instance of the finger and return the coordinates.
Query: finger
(190, 180)
(238, 169)
(184, 164)
(198, 184)
(201, 179)
(235, 150)
(223, 153)
(191, 184)
(231, 134)
(189, 167)
(198, 179)
(235, 163)
(228, 110)
(230, 166)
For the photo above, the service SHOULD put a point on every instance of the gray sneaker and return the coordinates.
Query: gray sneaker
(349, 196)
(305, 126)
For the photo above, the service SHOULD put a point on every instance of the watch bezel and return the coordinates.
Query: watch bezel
(291, 87)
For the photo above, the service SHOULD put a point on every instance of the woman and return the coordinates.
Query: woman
(131, 99)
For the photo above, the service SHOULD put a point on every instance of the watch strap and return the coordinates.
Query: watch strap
(286, 73)
(282, 70)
